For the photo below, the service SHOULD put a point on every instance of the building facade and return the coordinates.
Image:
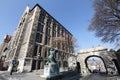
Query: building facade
(4, 44)
(36, 34)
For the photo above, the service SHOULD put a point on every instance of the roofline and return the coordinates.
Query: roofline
(52, 17)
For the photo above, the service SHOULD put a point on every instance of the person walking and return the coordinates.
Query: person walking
(14, 66)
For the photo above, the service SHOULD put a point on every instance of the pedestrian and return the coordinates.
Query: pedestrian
(14, 66)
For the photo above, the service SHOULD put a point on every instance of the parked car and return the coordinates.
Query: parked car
(95, 71)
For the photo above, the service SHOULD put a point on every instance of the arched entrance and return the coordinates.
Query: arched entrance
(78, 67)
(103, 53)
(95, 64)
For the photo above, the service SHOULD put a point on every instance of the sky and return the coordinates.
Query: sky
(74, 15)
(94, 58)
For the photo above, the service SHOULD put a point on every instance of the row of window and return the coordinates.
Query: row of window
(56, 31)
(59, 45)
(48, 30)
(38, 50)
(55, 27)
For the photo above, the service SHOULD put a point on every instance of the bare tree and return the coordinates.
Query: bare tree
(64, 42)
(106, 20)
(75, 44)
(55, 40)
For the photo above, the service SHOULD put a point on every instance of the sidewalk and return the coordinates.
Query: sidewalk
(5, 75)
(20, 76)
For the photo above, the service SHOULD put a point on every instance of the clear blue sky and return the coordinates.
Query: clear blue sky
(74, 15)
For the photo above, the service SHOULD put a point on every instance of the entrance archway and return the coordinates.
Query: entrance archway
(95, 64)
(78, 67)
(103, 53)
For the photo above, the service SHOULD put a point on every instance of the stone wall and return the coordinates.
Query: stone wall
(101, 52)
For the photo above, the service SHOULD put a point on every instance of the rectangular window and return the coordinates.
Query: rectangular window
(53, 33)
(63, 56)
(54, 30)
(40, 27)
(63, 46)
(39, 37)
(40, 50)
(47, 40)
(35, 50)
(42, 17)
(62, 32)
(48, 31)
(48, 22)
(58, 45)
(46, 52)
(58, 31)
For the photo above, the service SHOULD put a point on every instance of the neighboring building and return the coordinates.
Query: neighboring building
(32, 40)
(4, 44)
(3, 49)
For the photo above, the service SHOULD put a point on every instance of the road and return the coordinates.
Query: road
(36, 76)
(96, 76)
